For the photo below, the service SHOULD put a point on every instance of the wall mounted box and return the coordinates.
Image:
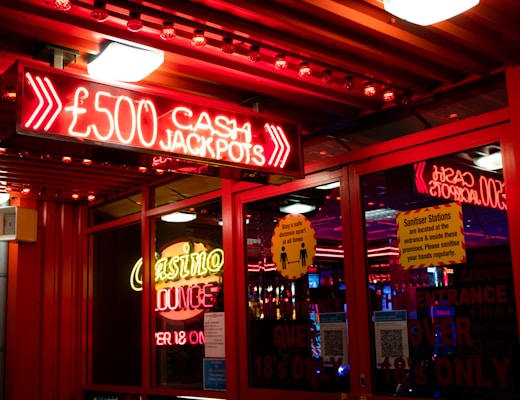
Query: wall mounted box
(18, 224)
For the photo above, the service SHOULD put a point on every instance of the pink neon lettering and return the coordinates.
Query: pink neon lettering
(186, 297)
(117, 111)
(203, 123)
(122, 120)
(149, 108)
(179, 338)
(105, 111)
(193, 149)
(80, 94)
(228, 127)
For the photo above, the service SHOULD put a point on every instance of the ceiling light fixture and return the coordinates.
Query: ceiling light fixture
(227, 46)
(427, 12)
(167, 31)
(380, 214)
(75, 195)
(66, 159)
(491, 162)
(297, 208)
(179, 216)
(198, 39)
(304, 71)
(91, 197)
(326, 76)
(328, 186)
(99, 12)
(125, 63)
(369, 89)
(348, 83)
(62, 5)
(26, 189)
(134, 24)
(388, 94)
(254, 54)
(280, 62)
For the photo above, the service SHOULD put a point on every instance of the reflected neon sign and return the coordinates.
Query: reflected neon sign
(460, 185)
(187, 279)
(76, 109)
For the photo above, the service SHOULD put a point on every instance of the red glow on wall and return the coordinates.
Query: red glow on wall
(60, 106)
(462, 185)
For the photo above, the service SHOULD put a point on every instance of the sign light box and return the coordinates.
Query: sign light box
(65, 107)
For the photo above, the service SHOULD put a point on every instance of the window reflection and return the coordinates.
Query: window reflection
(440, 280)
(298, 337)
(188, 336)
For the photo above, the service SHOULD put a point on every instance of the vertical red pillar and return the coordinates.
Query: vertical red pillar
(43, 323)
(510, 156)
(22, 325)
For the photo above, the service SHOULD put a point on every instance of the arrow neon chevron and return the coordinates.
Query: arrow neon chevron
(49, 101)
(45, 92)
(287, 146)
(281, 144)
(37, 110)
(269, 129)
(58, 103)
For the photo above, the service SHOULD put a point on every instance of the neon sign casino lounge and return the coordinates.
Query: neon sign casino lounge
(217, 255)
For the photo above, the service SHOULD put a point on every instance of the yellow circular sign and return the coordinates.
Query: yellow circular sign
(293, 246)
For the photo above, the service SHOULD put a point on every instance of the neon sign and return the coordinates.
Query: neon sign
(63, 107)
(187, 279)
(179, 338)
(460, 185)
(185, 265)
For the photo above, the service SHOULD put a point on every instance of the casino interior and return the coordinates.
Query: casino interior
(215, 199)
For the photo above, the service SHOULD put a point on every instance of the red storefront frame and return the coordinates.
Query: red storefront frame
(501, 126)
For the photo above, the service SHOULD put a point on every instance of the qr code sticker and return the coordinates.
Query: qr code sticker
(391, 343)
(332, 342)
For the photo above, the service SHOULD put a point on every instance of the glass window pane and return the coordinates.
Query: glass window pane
(440, 280)
(116, 209)
(296, 293)
(188, 300)
(185, 187)
(116, 308)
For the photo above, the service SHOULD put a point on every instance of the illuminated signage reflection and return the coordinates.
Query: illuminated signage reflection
(460, 185)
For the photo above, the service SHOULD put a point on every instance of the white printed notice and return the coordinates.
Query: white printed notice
(214, 334)
(391, 336)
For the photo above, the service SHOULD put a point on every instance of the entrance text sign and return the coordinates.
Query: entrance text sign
(61, 106)
(432, 236)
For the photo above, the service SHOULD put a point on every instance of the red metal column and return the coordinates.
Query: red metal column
(511, 157)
